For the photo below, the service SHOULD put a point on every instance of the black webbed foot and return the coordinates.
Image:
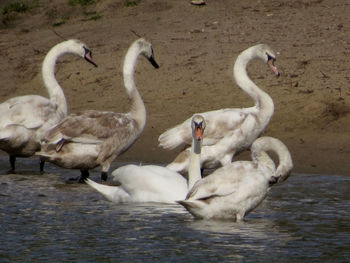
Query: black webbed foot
(80, 179)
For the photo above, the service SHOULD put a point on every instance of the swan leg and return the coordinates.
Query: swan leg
(42, 163)
(12, 160)
(80, 179)
(104, 176)
(84, 175)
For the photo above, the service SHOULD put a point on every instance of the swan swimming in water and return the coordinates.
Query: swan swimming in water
(152, 183)
(95, 138)
(231, 130)
(234, 190)
(25, 120)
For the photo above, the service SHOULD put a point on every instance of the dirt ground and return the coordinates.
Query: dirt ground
(195, 47)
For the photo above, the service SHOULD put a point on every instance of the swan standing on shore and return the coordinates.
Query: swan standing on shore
(95, 138)
(228, 130)
(152, 183)
(25, 120)
(234, 190)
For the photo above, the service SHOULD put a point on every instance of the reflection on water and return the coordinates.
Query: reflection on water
(42, 218)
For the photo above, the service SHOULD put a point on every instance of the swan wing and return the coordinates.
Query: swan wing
(218, 124)
(91, 127)
(30, 111)
(112, 193)
(148, 178)
(151, 183)
(224, 181)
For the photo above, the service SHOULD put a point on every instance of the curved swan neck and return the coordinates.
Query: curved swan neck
(265, 144)
(261, 99)
(55, 91)
(138, 109)
(285, 163)
(194, 169)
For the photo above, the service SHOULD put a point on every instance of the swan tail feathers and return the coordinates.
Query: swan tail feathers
(14, 131)
(42, 154)
(47, 151)
(195, 208)
(112, 193)
(189, 205)
(47, 156)
(4, 136)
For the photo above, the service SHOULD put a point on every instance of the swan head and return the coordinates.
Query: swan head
(80, 48)
(198, 126)
(283, 171)
(266, 54)
(147, 50)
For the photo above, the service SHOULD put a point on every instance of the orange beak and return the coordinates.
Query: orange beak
(274, 69)
(199, 133)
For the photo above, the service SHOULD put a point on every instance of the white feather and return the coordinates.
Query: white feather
(25, 120)
(95, 138)
(234, 190)
(228, 130)
(152, 183)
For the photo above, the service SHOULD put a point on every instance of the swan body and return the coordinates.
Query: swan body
(152, 183)
(230, 130)
(25, 120)
(149, 183)
(95, 138)
(234, 190)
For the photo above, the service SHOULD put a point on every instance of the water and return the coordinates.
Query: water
(44, 219)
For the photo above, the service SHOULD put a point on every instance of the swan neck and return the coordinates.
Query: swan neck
(54, 90)
(265, 144)
(265, 159)
(194, 170)
(261, 99)
(285, 164)
(138, 109)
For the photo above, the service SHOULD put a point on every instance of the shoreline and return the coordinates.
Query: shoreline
(196, 55)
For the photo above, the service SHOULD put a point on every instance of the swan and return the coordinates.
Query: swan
(231, 130)
(152, 183)
(234, 190)
(93, 138)
(25, 120)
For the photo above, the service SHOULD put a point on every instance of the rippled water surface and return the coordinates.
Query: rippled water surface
(44, 219)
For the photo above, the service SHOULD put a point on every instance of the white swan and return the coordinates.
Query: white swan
(234, 190)
(25, 120)
(152, 183)
(228, 130)
(95, 138)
